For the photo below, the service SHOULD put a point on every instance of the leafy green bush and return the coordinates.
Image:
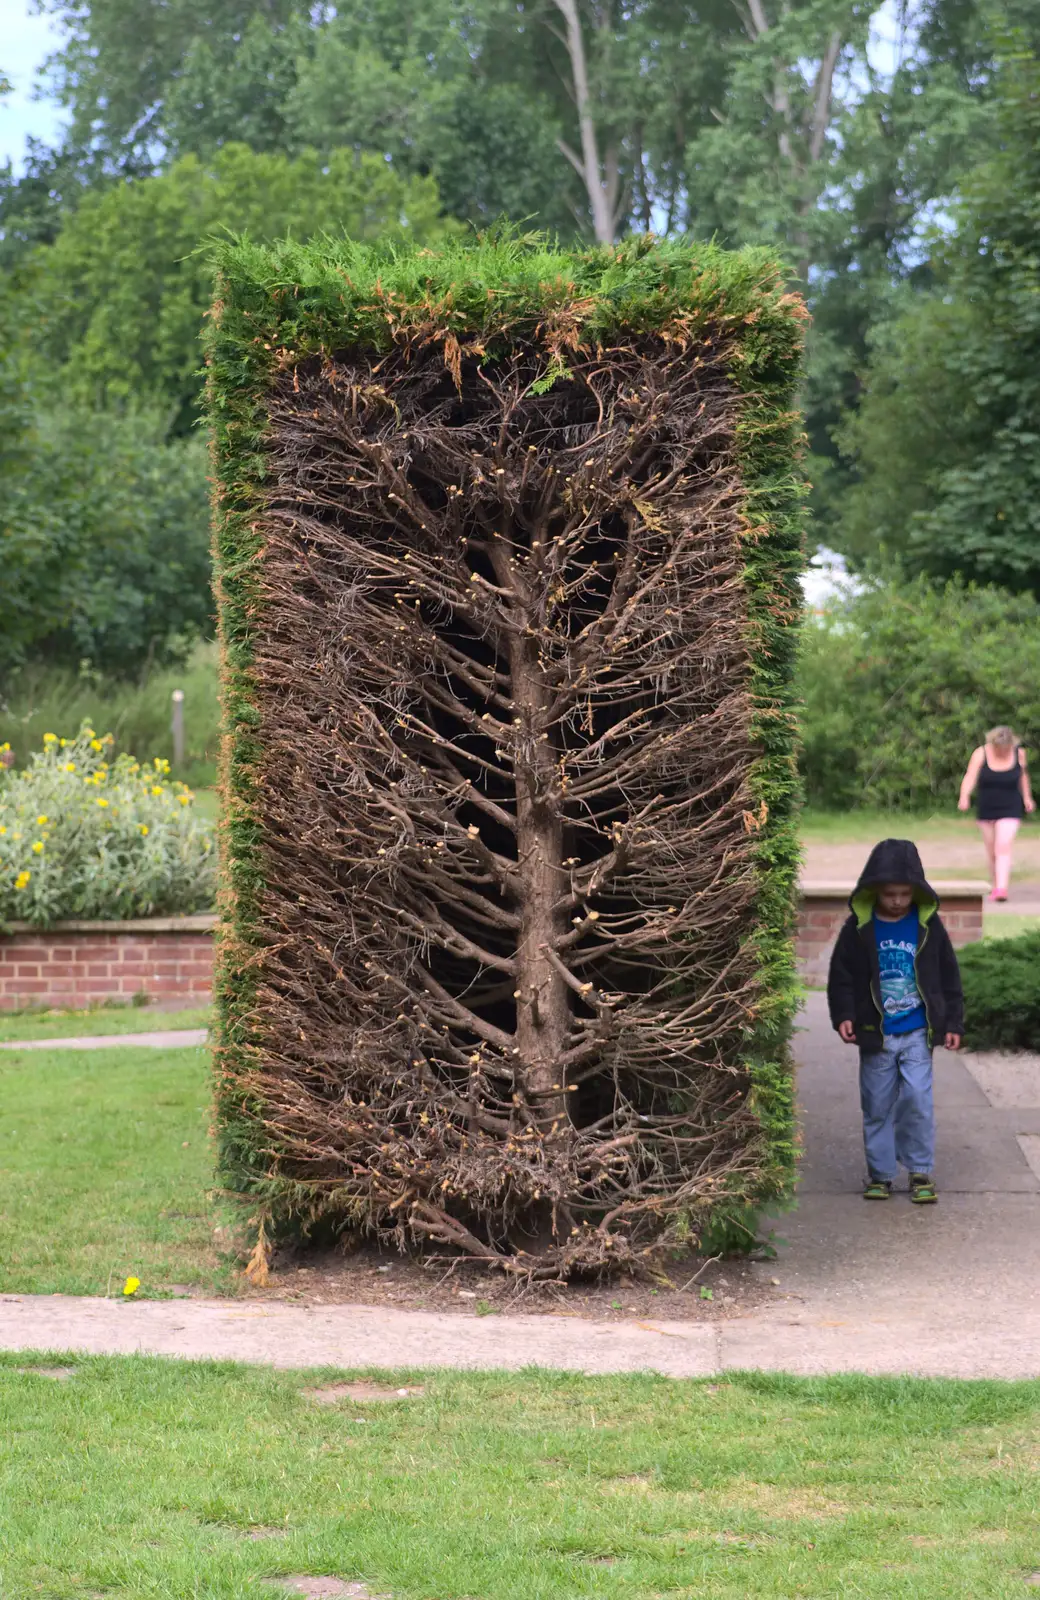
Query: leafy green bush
(106, 543)
(83, 837)
(899, 685)
(39, 698)
(1002, 993)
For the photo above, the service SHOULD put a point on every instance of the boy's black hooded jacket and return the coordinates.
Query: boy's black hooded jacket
(854, 984)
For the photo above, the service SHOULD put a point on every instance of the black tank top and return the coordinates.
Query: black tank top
(999, 794)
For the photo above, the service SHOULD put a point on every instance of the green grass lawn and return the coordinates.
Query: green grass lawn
(105, 1166)
(866, 827)
(143, 1478)
(100, 1019)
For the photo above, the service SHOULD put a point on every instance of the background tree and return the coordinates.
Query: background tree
(948, 439)
(105, 543)
(118, 300)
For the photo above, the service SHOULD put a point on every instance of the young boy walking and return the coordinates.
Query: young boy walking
(895, 990)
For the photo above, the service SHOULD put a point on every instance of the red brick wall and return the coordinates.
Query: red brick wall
(75, 967)
(821, 915)
(77, 964)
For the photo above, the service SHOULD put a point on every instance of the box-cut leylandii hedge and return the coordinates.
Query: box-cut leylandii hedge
(507, 548)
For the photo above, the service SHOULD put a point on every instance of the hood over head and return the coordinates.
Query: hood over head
(893, 861)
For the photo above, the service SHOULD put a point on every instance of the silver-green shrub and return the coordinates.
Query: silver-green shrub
(84, 836)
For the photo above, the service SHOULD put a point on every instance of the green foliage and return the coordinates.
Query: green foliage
(39, 698)
(947, 438)
(1001, 980)
(900, 685)
(722, 121)
(104, 534)
(119, 298)
(84, 837)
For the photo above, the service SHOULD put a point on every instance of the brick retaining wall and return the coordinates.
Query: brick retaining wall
(824, 907)
(77, 964)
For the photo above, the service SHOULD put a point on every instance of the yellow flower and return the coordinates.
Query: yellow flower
(3, 830)
(157, 788)
(50, 738)
(42, 821)
(63, 743)
(22, 879)
(143, 826)
(37, 847)
(101, 801)
(70, 766)
(131, 1286)
(95, 744)
(185, 799)
(88, 733)
(4, 747)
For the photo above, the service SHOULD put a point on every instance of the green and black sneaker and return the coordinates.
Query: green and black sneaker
(922, 1189)
(878, 1189)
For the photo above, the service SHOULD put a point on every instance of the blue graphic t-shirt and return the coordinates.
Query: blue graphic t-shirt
(896, 948)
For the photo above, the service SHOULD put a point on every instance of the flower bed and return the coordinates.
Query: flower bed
(84, 837)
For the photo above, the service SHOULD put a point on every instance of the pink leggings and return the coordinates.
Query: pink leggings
(999, 837)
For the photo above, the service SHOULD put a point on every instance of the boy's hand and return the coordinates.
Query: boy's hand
(952, 1041)
(847, 1031)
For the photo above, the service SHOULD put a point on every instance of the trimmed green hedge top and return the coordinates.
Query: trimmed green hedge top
(508, 544)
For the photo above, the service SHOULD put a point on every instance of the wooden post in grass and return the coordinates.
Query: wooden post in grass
(177, 727)
(508, 545)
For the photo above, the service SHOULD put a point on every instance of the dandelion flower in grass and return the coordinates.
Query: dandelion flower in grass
(37, 847)
(131, 1286)
(22, 879)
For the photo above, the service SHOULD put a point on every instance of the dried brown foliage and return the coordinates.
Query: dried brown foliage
(502, 682)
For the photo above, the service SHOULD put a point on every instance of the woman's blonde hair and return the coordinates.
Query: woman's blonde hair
(1001, 737)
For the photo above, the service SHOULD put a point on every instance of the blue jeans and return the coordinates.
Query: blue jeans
(895, 1091)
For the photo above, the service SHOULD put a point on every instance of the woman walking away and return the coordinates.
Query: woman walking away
(997, 771)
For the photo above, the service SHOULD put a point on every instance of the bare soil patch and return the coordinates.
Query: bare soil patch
(363, 1393)
(322, 1588)
(365, 1275)
(59, 1374)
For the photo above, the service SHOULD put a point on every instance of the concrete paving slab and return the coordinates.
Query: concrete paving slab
(1030, 1147)
(172, 1039)
(351, 1336)
(1007, 1080)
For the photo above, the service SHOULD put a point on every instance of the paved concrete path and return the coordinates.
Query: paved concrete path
(948, 1290)
(170, 1040)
